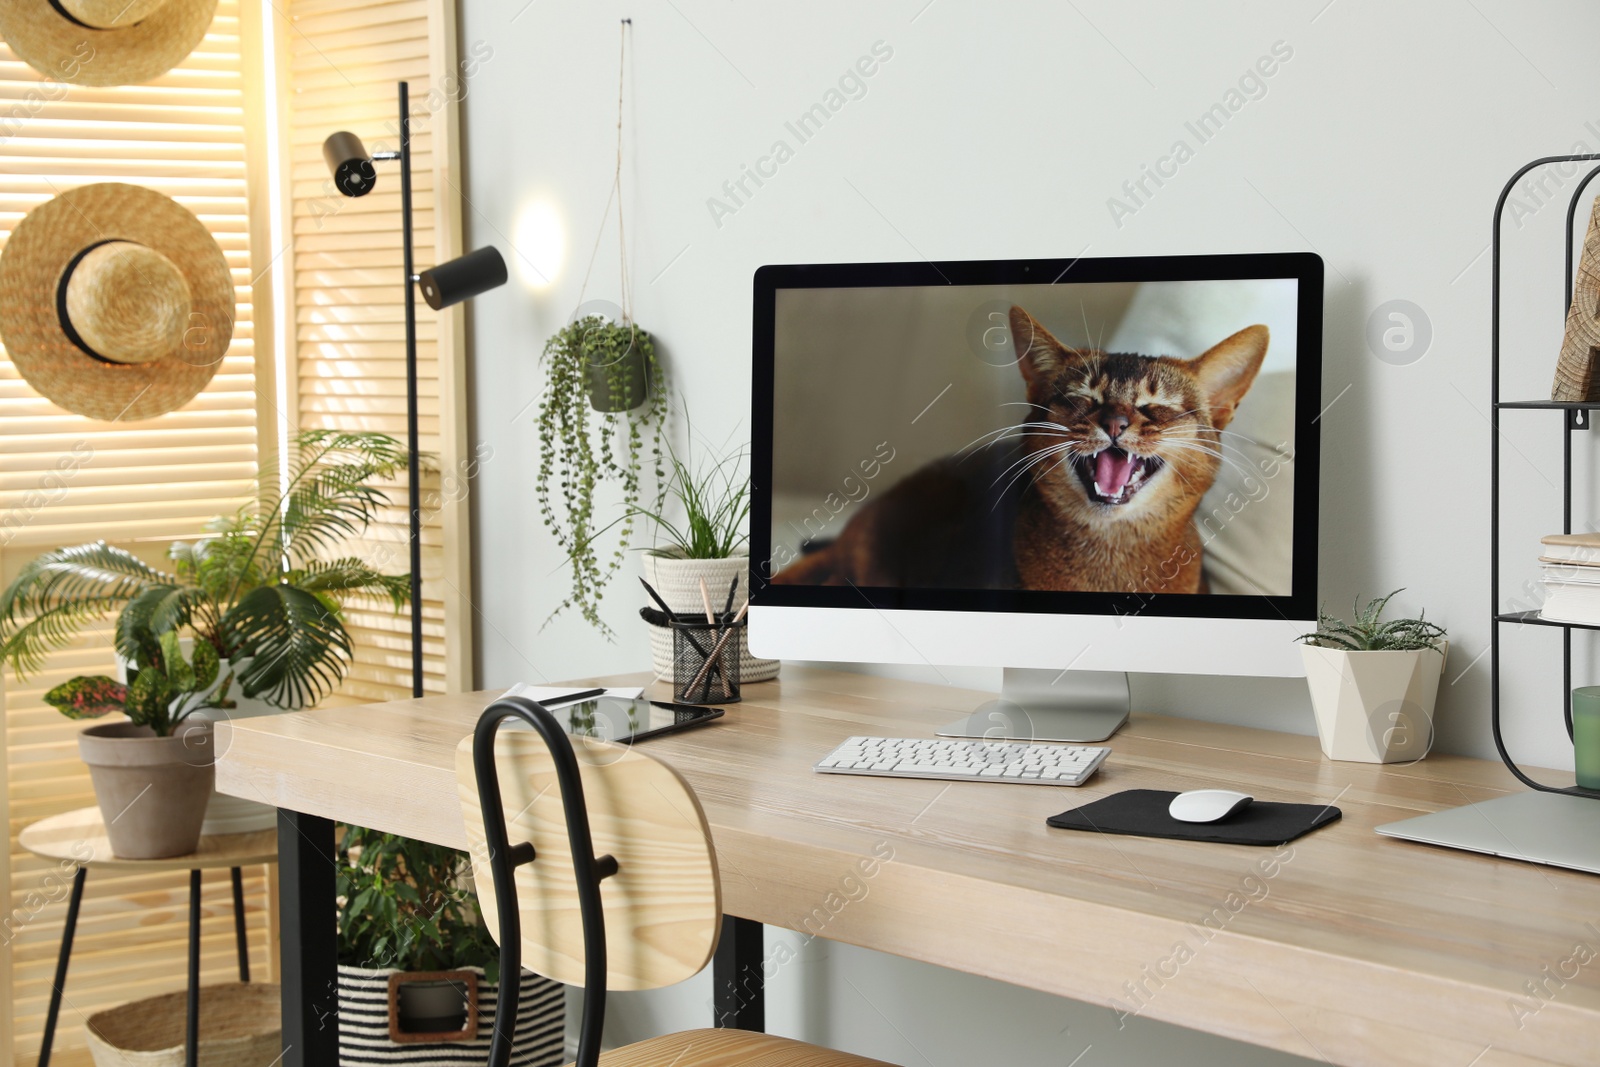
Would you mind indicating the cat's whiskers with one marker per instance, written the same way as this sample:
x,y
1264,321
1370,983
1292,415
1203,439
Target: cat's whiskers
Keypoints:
x,y
1046,429
1066,451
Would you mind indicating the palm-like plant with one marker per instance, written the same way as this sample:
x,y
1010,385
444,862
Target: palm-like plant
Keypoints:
x,y
260,589
1369,633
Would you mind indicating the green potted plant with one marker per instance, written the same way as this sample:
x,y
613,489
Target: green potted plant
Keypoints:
x,y
603,406
258,591
152,773
1374,683
417,965
702,532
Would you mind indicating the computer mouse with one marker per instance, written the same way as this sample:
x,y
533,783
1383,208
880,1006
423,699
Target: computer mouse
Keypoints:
x,y
1207,805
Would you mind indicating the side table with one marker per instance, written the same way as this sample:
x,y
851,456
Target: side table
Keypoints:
x,y
67,837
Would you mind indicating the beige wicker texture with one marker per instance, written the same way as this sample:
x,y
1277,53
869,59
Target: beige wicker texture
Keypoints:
x,y
36,258
1577,375
106,45
678,582
239,1027
129,303
112,14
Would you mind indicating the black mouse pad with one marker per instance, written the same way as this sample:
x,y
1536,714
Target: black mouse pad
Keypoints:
x,y
1143,813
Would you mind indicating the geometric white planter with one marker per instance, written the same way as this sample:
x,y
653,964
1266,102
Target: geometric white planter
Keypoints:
x,y
1374,707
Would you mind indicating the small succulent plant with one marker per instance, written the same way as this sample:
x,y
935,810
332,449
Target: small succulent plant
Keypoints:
x,y
1369,633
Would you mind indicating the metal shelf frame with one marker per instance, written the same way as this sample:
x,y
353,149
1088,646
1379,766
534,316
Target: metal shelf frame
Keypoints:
x,y
1576,417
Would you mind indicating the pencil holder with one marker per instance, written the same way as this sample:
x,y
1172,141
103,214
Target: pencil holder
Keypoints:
x,y
705,662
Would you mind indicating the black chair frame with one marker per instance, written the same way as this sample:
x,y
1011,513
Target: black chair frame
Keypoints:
x,y
505,858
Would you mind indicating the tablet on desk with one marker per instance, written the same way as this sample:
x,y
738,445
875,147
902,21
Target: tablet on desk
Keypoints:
x,y
622,718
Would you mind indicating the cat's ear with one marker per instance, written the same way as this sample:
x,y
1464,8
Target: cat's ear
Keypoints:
x,y
1226,370
1039,355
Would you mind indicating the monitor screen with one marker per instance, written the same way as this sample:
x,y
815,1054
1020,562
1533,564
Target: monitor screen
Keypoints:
x,y
1094,436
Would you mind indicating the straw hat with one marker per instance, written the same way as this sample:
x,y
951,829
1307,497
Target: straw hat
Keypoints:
x,y
115,302
104,42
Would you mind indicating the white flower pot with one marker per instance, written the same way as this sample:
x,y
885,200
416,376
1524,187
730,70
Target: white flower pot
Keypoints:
x,y
227,814
678,582
1374,707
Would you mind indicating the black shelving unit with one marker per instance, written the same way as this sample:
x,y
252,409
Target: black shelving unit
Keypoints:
x,y
1576,417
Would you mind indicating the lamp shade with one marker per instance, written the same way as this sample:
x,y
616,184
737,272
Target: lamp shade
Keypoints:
x,y
349,163
463,278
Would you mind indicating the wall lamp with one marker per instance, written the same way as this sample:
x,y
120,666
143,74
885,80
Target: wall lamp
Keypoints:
x,y
462,278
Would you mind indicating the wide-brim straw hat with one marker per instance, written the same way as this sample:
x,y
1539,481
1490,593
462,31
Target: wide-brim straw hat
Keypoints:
x,y
115,302
104,42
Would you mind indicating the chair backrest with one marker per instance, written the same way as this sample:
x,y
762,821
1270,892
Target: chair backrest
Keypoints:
x,y
663,906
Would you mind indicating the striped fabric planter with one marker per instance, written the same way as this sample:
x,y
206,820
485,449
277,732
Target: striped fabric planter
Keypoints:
x,y
364,1025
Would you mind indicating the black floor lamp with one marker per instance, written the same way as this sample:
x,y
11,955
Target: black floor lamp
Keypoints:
x,y
448,283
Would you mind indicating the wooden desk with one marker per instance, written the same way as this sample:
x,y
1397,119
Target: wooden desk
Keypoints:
x,y
1344,945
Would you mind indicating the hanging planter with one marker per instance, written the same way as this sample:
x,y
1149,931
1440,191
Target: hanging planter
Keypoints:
x,y
619,363
605,394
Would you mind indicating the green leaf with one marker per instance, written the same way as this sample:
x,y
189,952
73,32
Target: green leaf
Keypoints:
x,y
52,596
180,676
346,576
88,697
206,665
297,648
148,697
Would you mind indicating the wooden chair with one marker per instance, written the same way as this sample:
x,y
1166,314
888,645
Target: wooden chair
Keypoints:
x,y
583,815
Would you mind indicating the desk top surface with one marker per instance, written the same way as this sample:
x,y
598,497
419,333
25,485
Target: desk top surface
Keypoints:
x,y
1344,945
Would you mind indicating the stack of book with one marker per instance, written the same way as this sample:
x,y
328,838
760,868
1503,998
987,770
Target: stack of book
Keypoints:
x,y
1571,578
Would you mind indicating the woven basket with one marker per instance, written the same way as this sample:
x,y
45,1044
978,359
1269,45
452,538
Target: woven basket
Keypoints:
x,y
240,1026
539,1039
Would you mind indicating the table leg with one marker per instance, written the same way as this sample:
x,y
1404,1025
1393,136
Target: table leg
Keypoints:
x,y
191,1040
307,915
238,926
739,999
67,932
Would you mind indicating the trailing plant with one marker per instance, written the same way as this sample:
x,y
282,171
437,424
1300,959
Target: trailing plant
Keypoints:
x,y
166,689
715,499
1369,633
580,449
405,904
257,590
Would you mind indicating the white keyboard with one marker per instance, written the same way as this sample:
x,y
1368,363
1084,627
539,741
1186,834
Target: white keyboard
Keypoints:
x,y
965,761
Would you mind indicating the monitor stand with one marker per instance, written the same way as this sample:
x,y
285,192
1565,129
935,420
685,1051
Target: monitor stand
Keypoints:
x,y
1049,705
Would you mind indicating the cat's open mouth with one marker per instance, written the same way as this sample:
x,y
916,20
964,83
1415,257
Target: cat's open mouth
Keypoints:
x,y
1113,475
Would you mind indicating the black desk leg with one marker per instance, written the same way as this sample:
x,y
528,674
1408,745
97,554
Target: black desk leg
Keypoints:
x,y
238,926
67,931
306,916
191,1040
739,1001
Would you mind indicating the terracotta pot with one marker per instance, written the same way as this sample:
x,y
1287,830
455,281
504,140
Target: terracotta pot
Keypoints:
x,y
227,814
1374,707
678,582
152,790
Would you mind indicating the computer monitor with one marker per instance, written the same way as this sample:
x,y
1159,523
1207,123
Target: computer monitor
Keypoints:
x,y
1071,469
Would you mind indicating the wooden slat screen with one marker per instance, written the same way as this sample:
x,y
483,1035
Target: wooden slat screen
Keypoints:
x,y
344,60
139,485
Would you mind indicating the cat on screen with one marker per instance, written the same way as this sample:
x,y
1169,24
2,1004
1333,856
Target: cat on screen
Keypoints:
x,y
1094,490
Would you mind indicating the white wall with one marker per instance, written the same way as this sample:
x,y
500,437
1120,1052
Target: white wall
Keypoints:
x,y
1002,131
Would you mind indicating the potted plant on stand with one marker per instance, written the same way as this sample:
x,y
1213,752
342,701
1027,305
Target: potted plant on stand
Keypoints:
x,y
704,549
1374,683
417,967
153,772
256,595
605,394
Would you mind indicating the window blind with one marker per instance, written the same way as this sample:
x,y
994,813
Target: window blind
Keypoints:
x,y
65,479
344,58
